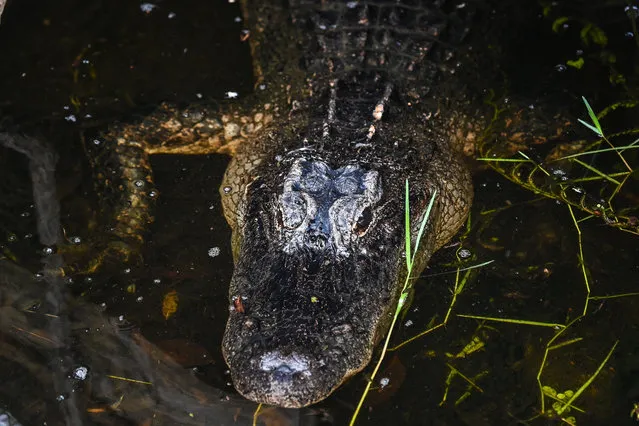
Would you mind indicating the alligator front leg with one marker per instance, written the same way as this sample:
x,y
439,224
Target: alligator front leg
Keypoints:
x,y
197,129
124,179
525,143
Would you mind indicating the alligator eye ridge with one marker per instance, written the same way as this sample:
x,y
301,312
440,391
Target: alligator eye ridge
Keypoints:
x,y
293,208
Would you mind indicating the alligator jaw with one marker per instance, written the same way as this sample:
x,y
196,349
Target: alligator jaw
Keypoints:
x,y
301,325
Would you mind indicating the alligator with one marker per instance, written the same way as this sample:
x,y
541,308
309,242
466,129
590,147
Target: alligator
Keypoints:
x,y
352,99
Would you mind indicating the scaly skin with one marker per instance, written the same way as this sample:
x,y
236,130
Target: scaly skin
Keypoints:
x,y
352,99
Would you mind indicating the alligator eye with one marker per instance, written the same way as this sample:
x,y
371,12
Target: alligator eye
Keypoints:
x,y
292,209
363,221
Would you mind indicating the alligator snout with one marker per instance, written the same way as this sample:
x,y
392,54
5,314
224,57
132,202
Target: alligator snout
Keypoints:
x,y
287,376
292,371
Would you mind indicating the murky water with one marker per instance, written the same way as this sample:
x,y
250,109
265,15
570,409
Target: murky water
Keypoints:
x,y
73,66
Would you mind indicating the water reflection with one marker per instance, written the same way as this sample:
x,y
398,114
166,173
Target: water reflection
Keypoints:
x,y
64,361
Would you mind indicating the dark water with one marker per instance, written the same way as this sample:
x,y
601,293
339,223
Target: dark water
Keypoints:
x,y
73,66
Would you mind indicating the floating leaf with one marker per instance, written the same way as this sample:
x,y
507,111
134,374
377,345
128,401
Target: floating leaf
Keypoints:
x,y
593,33
577,63
559,23
170,304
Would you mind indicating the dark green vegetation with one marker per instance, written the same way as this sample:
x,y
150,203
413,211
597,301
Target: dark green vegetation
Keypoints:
x,y
532,277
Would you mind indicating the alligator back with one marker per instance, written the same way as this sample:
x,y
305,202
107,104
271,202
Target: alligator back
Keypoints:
x,y
391,38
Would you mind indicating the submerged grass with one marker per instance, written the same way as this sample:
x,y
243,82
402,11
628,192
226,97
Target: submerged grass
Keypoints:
x,y
602,209
550,180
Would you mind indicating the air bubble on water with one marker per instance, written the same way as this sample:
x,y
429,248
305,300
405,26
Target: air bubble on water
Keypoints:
x,y
139,299
560,67
214,251
47,251
383,382
147,7
464,253
156,281
139,183
80,373
75,240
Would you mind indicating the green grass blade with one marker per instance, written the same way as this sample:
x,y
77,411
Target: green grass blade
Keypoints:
x,y
422,227
591,127
505,160
407,228
597,127
588,382
597,172
613,296
598,151
566,343
514,321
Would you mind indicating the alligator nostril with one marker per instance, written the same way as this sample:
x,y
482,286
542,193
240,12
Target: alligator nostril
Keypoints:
x,y
284,367
283,373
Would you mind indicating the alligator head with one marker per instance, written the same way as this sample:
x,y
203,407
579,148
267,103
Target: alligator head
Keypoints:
x,y
318,242
312,279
